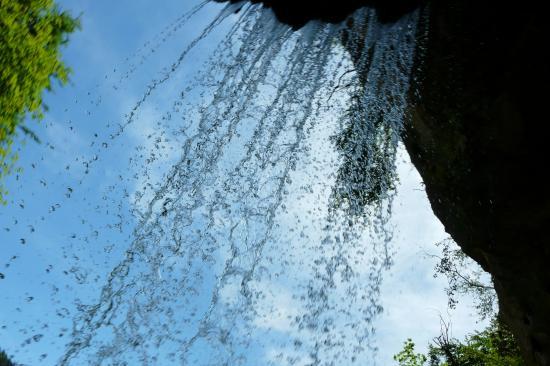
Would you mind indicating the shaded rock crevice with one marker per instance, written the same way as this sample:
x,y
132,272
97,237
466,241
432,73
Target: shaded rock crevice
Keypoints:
x,y
297,13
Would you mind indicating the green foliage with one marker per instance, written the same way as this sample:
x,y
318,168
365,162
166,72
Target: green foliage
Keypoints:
x,y
368,148
31,33
464,276
4,359
407,357
494,346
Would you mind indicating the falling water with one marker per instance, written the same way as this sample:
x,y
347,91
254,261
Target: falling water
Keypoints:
x,y
267,239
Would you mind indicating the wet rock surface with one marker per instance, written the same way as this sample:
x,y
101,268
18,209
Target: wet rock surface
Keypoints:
x,y
297,13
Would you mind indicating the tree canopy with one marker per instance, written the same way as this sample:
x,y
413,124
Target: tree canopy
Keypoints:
x,y
5,360
31,35
493,346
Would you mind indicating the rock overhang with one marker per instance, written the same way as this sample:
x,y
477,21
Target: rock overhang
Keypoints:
x,y
297,13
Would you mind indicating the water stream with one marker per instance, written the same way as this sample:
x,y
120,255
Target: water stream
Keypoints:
x,y
262,201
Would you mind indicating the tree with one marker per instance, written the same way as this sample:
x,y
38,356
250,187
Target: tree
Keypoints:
x,y
4,359
31,35
407,357
464,276
493,346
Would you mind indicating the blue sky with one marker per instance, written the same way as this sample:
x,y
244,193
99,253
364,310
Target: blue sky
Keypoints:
x,y
79,203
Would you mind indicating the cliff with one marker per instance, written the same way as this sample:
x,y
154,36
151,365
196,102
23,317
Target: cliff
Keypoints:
x,y
477,136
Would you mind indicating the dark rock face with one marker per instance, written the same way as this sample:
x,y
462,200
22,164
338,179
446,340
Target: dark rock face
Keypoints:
x,y
478,137
297,13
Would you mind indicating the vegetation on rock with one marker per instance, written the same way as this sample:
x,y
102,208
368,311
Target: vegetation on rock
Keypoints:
x,y
493,346
464,277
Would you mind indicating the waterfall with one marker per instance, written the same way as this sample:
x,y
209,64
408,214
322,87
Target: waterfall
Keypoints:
x,y
267,240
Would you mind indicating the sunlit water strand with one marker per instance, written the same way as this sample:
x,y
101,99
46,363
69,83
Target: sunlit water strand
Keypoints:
x,y
259,215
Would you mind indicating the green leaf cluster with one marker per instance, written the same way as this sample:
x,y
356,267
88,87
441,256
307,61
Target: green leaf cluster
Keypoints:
x,y
494,346
5,360
408,357
31,34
